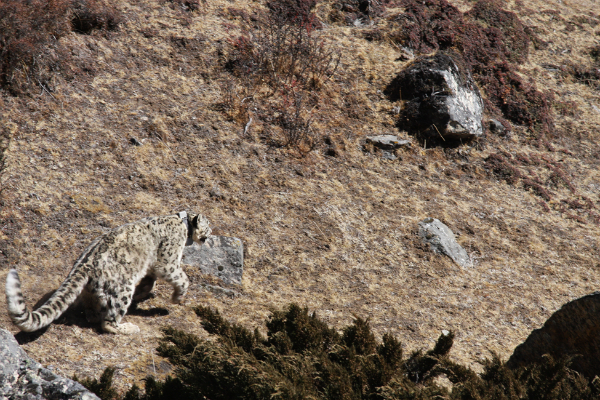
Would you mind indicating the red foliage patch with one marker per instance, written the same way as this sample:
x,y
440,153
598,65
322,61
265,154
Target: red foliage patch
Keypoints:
x,y
297,12
90,15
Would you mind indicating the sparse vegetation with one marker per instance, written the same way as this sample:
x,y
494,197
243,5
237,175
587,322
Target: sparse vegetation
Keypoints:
x,y
28,29
91,15
514,170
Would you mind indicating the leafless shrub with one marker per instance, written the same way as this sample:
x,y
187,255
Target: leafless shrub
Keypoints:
x,y
187,5
284,54
283,58
295,121
237,98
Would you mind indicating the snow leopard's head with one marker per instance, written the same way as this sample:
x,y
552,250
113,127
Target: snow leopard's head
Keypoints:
x,y
200,228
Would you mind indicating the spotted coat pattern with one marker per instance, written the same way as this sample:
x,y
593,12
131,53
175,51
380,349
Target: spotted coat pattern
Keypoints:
x,y
105,276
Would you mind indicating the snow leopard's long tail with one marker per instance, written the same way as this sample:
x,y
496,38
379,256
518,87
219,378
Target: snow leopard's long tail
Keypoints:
x,y
56,305
53,308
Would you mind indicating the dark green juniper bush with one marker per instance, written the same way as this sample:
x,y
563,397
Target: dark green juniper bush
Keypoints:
x,y
302,358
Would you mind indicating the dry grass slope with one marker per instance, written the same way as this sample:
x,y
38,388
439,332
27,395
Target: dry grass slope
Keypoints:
x,y
326,224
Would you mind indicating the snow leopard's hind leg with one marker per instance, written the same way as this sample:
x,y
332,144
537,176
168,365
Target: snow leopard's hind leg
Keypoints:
x,y
113,306
144,289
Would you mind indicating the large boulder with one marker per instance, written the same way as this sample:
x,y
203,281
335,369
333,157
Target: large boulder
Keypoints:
x,y
24,378
220,256
441,240
572,331
442,102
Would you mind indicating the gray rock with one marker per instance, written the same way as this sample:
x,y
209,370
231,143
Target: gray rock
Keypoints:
x,y
387,142
442,101
24,378
135,142
386,155
220,256
572,331
497,127
442,240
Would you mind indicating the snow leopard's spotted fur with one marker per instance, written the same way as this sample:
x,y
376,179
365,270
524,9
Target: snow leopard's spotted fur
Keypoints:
x,y
105,276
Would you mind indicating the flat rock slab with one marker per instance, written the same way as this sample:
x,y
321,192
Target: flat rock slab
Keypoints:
x,y
441,240
387,142
220,256
572,331
24,378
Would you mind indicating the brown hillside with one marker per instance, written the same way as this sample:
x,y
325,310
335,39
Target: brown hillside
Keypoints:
x,y
334,227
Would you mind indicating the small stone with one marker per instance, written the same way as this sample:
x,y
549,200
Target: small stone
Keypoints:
x,y
135,142
407,54
441,240
386,155
387,142
497,127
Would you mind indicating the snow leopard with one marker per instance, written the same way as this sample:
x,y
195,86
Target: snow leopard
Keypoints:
x,y
104,278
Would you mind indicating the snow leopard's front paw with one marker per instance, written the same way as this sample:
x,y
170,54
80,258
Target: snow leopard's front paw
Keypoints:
x,y
125,328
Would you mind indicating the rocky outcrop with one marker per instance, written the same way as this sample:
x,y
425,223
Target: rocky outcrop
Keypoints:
x,y
220,256
571,331
24,378
442,101
442,241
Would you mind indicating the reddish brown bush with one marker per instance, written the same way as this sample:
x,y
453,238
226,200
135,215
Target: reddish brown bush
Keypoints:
x,y
187,5
297,12
514,38
28,30
90,15
581,73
